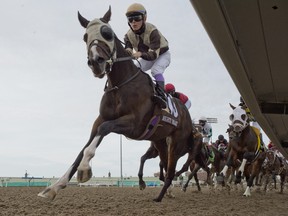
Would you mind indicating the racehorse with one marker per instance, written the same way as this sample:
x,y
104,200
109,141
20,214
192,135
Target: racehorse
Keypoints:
x,y
273,167
127,108
244,145
152,152
203,161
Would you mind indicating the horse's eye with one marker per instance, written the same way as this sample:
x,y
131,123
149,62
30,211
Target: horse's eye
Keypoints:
x,y
231,117
243,117
107,33
85,37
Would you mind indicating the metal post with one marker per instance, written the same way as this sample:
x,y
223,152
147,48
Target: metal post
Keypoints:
x,y
121,173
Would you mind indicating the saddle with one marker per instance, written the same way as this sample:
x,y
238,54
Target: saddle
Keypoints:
x,y
169,115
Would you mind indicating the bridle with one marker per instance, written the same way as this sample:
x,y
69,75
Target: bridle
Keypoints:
x,y
110,61
237,123
111,56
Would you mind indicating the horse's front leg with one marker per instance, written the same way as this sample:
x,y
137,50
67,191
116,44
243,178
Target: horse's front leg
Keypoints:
x,y
51,191
231,158
119,126
185,166
256,167
84,171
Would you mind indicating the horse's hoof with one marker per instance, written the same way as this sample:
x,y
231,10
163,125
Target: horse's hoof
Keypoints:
x,y
220,179
157,200
48,194
183,189
142,186
237,181
84,175
171,196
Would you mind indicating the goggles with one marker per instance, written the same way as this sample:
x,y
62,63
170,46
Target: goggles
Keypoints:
x,y
136,18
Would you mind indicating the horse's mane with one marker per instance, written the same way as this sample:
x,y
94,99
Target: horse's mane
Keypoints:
x,y
120,48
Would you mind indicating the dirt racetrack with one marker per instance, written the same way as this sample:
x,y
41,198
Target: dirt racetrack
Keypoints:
x,y
86,201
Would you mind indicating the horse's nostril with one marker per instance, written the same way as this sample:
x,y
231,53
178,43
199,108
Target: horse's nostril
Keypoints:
x,y
89,63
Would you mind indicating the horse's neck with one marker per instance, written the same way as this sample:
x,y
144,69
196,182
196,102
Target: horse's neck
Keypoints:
x,y
123,70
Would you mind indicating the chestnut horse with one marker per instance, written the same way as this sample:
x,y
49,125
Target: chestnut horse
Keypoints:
x,y
244,145
127,108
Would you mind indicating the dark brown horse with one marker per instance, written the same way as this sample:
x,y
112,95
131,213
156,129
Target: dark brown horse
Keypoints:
x,y
245,145
152,152
127,108
203,161
274,167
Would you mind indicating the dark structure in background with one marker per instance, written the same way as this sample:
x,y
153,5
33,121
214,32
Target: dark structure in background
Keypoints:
x,y
251,38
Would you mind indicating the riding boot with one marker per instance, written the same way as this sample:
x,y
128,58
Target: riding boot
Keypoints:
x,y
209,153
159,97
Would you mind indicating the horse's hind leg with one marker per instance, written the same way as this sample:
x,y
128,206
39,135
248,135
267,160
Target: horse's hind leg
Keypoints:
x,y
197,182
150,153
185,166
282,180
171,166
194,169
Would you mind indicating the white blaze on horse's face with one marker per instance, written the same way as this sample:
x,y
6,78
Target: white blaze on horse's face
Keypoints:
x,y
238,119
100,46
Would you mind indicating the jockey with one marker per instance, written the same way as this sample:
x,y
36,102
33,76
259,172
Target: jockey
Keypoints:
x,y
272,147
170,89
144,42
221,143
206,132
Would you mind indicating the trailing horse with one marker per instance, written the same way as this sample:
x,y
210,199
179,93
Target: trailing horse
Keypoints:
x,y
203,161
152,152
274,167
127,108
245,145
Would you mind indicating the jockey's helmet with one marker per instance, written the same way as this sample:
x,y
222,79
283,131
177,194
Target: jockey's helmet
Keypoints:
x,y
220,137
136,9
169,88
203,119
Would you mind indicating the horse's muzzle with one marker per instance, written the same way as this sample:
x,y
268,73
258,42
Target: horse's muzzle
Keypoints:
x,y
97,68
238,128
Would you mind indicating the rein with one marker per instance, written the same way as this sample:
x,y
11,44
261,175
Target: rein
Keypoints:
x,y
111,61
121,84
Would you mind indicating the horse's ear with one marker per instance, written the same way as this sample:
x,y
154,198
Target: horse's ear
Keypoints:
x,y
107,16
84,22
233,107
